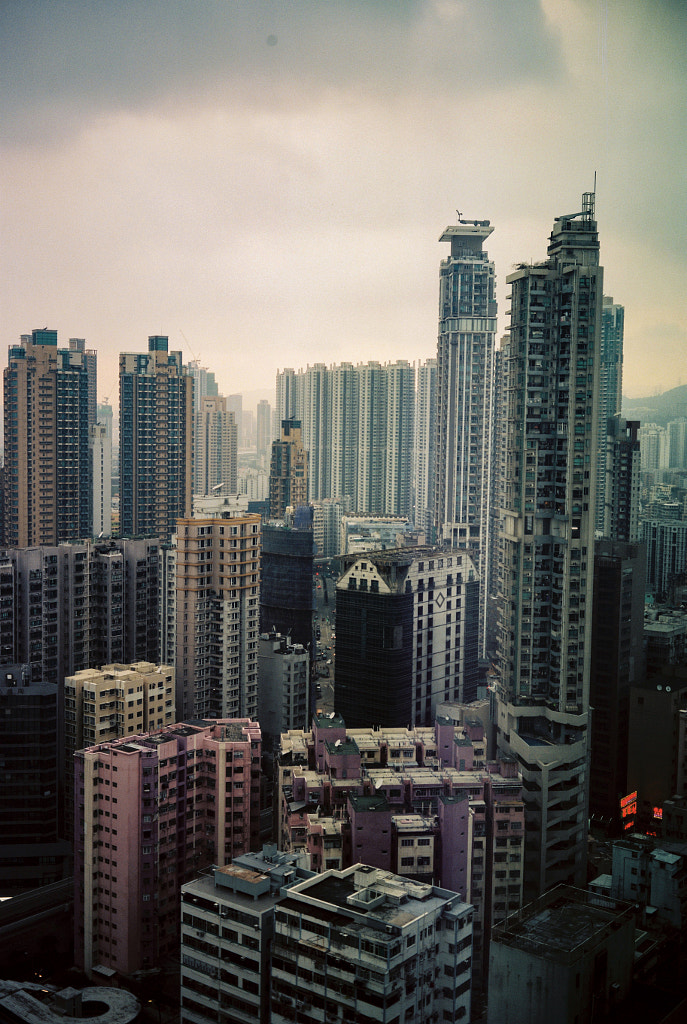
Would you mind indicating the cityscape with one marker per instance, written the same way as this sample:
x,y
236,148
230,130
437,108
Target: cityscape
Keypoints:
x,y
341,683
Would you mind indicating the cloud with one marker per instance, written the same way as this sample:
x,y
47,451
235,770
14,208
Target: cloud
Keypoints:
x,y
65,63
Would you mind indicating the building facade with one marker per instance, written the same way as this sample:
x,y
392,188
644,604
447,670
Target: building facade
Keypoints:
x,y
423,446
217,616
288,470
551,412
155,444
283,686
365,943
617,664
102,704
610,395
227,928
150,812
407,635
464,400
215,448
47,496
32,850
286,582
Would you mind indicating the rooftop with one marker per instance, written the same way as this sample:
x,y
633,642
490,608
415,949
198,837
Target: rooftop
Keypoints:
x,y
564,924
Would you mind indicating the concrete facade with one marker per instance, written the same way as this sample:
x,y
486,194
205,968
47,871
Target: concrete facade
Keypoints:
x,y
550,403
150,812
156,436
367,944
464,400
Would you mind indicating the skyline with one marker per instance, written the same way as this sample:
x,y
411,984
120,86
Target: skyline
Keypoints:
x,y
266,183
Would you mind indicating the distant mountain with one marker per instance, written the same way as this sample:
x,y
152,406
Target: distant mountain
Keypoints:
x,y
671,405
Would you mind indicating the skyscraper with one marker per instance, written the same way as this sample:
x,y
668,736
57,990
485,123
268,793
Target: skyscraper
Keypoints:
x,y
215,448
464,397
263,430
217,616
610,391
155,445
90,361
551,387
357,426
423,446
288,470
47,478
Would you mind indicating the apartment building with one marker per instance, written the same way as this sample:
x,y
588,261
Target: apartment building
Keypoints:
x,y
103,704
464,400
47,497
156,434
150,812
550,393
217,616
227,928
283,686
423,803
365,944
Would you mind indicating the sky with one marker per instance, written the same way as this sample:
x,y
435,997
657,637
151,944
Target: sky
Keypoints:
x,y
266,181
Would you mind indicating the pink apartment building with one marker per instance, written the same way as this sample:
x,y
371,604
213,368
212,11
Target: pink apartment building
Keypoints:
x,y
150,812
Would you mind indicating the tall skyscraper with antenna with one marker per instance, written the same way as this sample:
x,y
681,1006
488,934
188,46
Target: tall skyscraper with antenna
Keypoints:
x,y
550,405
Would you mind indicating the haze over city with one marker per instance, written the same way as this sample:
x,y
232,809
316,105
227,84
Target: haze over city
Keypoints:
x,y
266,182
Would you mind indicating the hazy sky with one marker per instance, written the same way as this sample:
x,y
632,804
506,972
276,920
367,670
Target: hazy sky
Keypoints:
x,y
266,182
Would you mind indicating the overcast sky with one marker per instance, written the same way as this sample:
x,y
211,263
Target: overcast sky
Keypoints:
x,y
266,182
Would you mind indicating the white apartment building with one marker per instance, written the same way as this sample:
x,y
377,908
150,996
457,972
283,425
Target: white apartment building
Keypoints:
x,y
366,944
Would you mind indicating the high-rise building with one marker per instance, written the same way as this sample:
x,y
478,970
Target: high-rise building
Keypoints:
x,y
283,686
288,470
551,372
610,393
215,448
287,404
617,664
103,704
666,554
365,944
406,624
217,616
227,915
235,405
286,588
150,812
464,400
423,446
422,802
263,428
155,441
101,470
622,481
90,360
32,852
357,426
47,479
563,958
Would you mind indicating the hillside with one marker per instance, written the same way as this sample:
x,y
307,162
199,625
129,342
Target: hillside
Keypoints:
x,y
658,408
